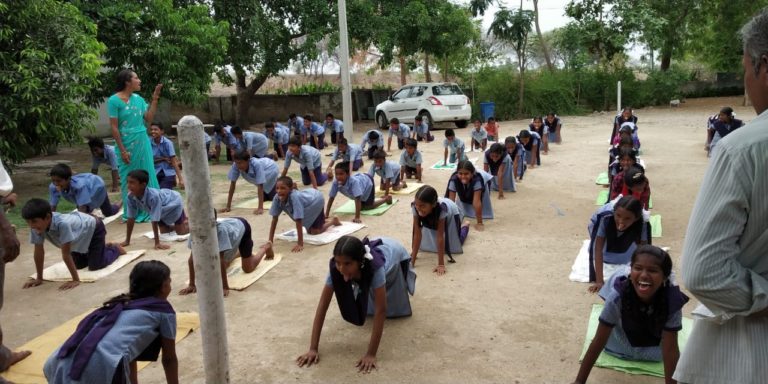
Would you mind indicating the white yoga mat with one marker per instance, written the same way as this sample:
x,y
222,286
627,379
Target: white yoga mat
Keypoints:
x,y
580,268
332,234
170,236
106,220
59,271
451,166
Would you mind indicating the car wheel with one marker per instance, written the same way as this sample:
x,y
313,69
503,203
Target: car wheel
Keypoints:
x,y
461,124
381,120
427,118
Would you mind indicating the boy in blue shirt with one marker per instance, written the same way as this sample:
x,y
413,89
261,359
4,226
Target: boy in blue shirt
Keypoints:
x,y
254,143
166,164
260,172
165,207
410,161
279,135
453,146
350,153
222,133
310,162
104,154
421,129
402,131
389,171
336,127
374,140
315,133
296,126
85,190
81,238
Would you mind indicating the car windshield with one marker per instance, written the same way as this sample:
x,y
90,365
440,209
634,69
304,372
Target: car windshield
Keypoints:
x,y
446,89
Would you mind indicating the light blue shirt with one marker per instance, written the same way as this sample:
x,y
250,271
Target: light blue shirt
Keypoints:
x,y
402,132
337,126
262,172
297,125
390,171
421,129
407,160
308,157
163,149
316,129
393,252
109,158
133,331
162,204
353,153
454,146
255,143
280,136
84,189
226,136
305,205
358,185
75,228
480,135
379,143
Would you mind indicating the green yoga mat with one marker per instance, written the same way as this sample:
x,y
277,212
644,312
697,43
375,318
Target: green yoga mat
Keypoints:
x,y
602,179
655,225
650,203
602,197
348,208
439,165
630,366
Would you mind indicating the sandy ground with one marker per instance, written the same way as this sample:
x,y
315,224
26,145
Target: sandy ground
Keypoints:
x,y
505,312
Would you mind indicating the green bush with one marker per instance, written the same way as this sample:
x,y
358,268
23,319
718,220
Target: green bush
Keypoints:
x,y
305,89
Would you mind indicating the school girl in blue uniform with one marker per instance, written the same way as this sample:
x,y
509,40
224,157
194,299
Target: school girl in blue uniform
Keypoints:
x,y
516,152
131,327
615,232
81,238
471,191
165,207
262,173
304,207
642,314
498,163
371,277
553,124
531,141
310,162
86,190
437,227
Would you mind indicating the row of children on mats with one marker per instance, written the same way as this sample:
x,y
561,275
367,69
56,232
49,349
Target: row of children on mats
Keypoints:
x,y
642,313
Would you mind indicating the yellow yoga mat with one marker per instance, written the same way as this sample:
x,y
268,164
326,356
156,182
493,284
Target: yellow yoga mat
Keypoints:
x,y
253,204
239,280
59,271
30,370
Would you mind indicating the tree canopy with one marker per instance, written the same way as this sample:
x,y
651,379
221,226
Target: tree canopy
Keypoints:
x,y
51,63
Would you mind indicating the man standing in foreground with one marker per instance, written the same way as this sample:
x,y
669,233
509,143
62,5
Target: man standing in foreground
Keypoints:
x,y
725,257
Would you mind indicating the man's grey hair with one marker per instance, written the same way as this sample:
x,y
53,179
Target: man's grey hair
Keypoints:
x,y
754,35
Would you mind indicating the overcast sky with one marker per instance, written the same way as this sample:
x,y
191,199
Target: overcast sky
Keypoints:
x,y
551,12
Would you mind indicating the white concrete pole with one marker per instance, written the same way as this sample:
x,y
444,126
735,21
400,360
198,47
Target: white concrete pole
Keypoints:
x,y
618,97
346,86
205,248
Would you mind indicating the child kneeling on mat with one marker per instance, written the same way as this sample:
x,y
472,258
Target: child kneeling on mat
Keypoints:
x,y
642,314
372,270
358,187
80,236
165,207
234,235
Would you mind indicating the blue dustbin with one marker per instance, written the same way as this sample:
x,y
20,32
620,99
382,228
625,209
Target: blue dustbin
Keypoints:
x,y
487,109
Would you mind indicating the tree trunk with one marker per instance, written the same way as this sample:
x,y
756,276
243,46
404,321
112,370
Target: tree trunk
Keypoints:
x,y
427,74
666,57
403,70
244,93
543,43
445,69
521,92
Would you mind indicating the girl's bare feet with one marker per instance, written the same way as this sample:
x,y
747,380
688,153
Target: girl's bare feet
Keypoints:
x,y
120,249
388,199
17,356
335,220
268,251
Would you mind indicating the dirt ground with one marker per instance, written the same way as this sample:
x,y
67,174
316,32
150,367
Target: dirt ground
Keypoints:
x,y
505,312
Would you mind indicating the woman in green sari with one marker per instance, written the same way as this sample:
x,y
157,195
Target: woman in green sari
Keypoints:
x,y
128,113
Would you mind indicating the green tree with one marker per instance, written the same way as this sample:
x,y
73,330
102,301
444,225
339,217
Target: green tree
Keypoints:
x,y
265,37
513,27
444,32
179,45
599,27
715,39
50,64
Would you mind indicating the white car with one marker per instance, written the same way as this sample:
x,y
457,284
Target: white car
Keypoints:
x,y
434,102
